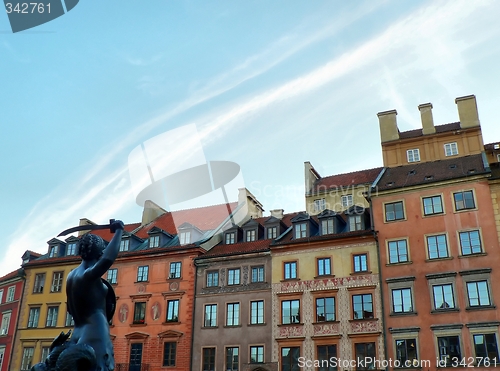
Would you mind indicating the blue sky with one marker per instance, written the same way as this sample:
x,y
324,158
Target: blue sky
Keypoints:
x,y
269,85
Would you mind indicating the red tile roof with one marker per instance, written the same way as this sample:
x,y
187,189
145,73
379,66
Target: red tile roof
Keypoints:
x,y
347,179
204,218
14,274
439,129
430,172
105,234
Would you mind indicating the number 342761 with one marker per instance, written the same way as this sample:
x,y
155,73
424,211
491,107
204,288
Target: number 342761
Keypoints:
x,y
25,8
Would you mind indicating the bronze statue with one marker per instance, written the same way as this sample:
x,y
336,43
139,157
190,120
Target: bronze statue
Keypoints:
x,y
91,302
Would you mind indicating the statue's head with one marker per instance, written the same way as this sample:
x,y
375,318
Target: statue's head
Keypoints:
x,y
91,247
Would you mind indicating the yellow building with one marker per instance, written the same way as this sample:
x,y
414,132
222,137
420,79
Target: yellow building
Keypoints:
x,y
43,312
337,192
431,143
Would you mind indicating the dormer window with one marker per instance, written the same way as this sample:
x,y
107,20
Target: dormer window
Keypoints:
x,y
250,235
125,244
71,249
355,223
154,241
301,230
327,226
230,237
185,238
272,232
53,251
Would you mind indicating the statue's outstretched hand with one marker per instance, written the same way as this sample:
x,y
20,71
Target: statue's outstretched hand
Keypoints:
x,y
117,224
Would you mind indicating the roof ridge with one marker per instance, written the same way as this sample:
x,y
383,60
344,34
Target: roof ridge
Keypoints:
x,y
351,172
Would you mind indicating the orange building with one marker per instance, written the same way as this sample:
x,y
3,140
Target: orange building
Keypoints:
x,y
438,245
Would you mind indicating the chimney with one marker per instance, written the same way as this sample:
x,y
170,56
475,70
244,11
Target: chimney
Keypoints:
x,y
467,111
255,208
310,176
85,221
151,212
388,126
277,213
427,120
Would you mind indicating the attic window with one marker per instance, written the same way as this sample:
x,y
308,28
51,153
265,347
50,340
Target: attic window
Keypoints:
x,y
429,177
124,245
389,184
411,172
71,250
453,166
185,238
154,241
250,235
496,146
230,238
53,251
471,171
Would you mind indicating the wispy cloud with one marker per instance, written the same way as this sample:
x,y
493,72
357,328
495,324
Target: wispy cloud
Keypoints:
x,y
100,192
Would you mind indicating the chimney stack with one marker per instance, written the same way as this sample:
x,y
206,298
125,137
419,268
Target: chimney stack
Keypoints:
x,y
427,120
388,126
277,213
467,111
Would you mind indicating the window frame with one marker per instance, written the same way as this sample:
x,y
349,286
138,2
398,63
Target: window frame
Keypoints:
x,y
57,281
432,205
258,313
176,272
124,245
37,287
234,276
211,358
316,307
258,269
212,315
233,320
449,357
353,221
33,317
143,273
398,256
412,151
154,241
52,316
360,255
346,200
327,226
354,311
139,313
292,357
322,263
256,347
290,264
11,294
453,149
469,232
172,314
300,230
28,353
463,194
167,362
357,357
402,296
319,204
282,310
112,276
226,358
212,278
5,324
250,235
229,238
272,232
436,236
393,204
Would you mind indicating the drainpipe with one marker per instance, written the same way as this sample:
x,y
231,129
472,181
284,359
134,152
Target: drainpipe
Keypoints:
x,y
384,332
193,316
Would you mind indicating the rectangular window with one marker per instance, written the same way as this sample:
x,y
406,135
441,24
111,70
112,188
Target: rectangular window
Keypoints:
x,y
142,273
406,351
4,328
325,354
319,205
363,351
2,354
451,149
169,350
210,315
69,321
346,200
154,241
485,346
470,243
272,232
398,251
290,311
437,246
27,358
213,279
112,275
413,155
208,360
71,249
464,200
52,313
1,296
257,312
39,283
172,311
139,313
478,294
233,314
355,223
230,237
33,317
45,353
449,349
498,157
57,281
394,211
327,226
324,266
362,306
185,238
443,297
53,251
257,354
257,274
232,355
250,235
11,291
432,205
124,245
360,263
325,309
290,270
233,276
175,270
402,301
290,359
301,230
